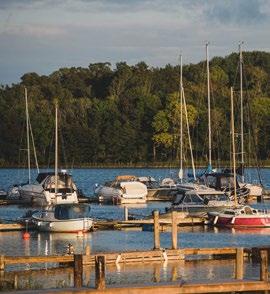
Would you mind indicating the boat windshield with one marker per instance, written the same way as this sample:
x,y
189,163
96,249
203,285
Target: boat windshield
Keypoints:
x,y
71,211
215,197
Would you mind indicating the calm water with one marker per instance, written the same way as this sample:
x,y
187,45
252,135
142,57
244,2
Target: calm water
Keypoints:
x,y
11,243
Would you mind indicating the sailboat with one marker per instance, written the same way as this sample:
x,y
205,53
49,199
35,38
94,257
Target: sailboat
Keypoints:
x,y
255,189
64,214
239,216
43,191
196,184
218,180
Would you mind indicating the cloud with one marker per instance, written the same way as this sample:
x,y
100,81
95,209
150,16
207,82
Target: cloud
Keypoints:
x,y
41,35
36,31
246,12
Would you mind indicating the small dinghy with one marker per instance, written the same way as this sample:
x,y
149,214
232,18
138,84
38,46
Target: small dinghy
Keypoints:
x,y
69,218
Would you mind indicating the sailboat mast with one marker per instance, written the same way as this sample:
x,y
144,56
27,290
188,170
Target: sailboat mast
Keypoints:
x,y
209,109
56,149
189,138
233,149
181,121
241,110
27,134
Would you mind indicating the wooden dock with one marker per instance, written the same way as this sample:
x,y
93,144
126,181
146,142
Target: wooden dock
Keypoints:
x,y
238,284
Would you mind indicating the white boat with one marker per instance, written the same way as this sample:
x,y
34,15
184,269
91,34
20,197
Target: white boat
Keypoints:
x,y
123,190
165,190
200,202
43,191
69,218
255,190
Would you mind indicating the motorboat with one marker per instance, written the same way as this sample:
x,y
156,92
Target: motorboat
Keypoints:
x,y
123,190
69,218
200,202
223,181
43,191
164,190
256,190
245,216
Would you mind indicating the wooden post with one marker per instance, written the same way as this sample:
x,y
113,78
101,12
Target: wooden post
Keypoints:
x,y
78,270
174,230
126,213
100,272
2,262
88,250
156,273
264,265
15,283
239,263
156,230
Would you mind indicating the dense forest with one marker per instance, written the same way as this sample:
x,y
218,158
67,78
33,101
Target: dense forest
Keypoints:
x,y
131,114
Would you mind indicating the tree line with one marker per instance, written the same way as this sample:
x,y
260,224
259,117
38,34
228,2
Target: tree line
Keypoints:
x,y
130,114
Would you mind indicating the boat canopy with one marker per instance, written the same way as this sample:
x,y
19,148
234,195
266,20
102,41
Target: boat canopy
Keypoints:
x,y
64,211
125,178
220,181
65,182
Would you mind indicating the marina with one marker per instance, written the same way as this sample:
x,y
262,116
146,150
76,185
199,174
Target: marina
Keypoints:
x,y
127,235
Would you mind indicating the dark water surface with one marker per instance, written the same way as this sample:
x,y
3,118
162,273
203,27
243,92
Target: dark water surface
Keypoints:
x,y
12,243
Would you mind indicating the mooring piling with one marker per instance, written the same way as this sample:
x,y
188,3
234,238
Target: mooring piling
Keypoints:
x,y
100,272
78,270
174,230
156,230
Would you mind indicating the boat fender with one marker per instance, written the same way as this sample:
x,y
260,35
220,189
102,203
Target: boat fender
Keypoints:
x,y
118,258
215,219
233,220
164,253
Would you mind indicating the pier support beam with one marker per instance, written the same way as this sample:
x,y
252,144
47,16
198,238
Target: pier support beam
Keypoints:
x,y
156,230
87,250
78,270
125,213
2,262
239,264
174,230
100,272
264,265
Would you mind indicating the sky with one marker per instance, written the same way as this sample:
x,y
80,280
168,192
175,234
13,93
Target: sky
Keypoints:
x,y
44,35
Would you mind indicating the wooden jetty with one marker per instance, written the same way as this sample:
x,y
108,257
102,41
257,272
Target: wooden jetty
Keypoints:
x,y
100,262
165,222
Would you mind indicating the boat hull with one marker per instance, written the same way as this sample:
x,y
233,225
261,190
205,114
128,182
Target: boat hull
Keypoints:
x,y
241,221
198,211
67,226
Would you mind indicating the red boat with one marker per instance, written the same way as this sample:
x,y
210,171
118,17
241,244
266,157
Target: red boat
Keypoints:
x,y
245,216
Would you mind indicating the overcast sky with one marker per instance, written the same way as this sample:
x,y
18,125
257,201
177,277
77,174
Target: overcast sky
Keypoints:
x,y
43,35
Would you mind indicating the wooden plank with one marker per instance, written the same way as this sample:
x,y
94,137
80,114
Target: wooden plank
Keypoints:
x,y
38,259
14,227
221,287
208,251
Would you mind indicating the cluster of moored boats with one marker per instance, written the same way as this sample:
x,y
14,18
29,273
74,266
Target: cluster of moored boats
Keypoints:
x,y
212,196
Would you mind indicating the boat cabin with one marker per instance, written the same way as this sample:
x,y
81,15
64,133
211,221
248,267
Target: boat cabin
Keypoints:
x,y
65,182
194,198
220,181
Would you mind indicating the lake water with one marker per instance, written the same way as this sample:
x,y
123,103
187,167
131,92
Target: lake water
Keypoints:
x,y
12,243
